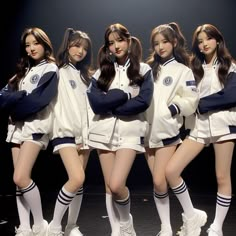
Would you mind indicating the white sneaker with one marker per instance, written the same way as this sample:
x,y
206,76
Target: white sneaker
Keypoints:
x,y
181,232
54,231
40,230
214,232
165,231
127,228
115,233
192,226
23,232
72,230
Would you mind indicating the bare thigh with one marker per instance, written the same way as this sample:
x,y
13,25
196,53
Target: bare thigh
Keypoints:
x,y
84,156
74,168
25,161
123,162
107,160
223,161
184,154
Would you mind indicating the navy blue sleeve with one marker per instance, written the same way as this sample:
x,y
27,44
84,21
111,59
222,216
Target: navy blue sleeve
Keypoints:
x,y
139,103
38,99
9,98
222,100
104,102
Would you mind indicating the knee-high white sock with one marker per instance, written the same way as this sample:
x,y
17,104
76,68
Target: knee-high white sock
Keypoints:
x,y
64,198
23,210
32,197
112,213
181,192
162,202
123,208
74,207
222,207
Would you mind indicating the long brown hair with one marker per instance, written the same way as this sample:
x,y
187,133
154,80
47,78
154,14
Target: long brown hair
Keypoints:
x,y
106,63
71,38
25,62
223,55
172,33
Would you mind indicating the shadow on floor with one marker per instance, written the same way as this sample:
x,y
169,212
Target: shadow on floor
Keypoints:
x,y
93,219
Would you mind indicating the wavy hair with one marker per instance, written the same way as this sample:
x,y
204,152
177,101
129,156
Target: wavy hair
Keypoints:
x,y
106,62
172,33
198,58
26,62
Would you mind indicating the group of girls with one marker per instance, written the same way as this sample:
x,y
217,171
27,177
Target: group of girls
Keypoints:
x,y
125,107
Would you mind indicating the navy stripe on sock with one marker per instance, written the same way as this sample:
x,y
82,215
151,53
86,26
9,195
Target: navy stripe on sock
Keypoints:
x,y
180,189
63,198
80,191
125,202
160,195
28,188
222,201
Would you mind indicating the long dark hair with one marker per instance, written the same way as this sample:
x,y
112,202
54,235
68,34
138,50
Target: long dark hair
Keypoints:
x,y
72,38
106,63
172,33
223,55
26,62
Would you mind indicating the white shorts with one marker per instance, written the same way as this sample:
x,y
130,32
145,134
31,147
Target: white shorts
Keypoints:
x,y
14,134
60,146
216,139
161,144
42,141
111,147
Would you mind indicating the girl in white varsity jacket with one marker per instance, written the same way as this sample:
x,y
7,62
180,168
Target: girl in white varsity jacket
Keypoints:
x,y
214,123
70,132
29,99
120,92
175,96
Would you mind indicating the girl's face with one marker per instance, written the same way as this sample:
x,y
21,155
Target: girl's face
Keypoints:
x,y
118,47
207,45
78,52
34,49
163,47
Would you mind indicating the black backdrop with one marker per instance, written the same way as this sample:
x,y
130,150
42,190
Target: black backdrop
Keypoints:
x,y
93,16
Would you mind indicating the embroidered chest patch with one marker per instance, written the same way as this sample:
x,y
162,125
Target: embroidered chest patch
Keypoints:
x,y
34,79
73,84
167,81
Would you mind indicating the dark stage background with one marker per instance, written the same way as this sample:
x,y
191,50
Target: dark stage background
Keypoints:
x,y
93,16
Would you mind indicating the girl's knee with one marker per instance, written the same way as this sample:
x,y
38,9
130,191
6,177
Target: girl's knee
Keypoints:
x,y
169,172
115,188
21,181
76,182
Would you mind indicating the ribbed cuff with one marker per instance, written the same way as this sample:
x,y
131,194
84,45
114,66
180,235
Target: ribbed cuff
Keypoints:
x,y
174,109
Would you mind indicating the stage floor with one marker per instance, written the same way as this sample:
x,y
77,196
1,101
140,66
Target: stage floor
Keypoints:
x,y
93,219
